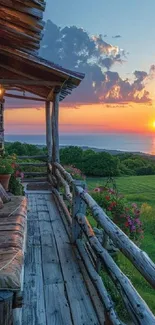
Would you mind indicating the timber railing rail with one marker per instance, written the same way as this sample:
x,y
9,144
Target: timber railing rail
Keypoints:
x,y
94,253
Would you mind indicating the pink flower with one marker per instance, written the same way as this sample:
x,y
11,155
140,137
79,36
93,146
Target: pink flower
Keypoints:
x,y
138,221
22,175
134,205
97,189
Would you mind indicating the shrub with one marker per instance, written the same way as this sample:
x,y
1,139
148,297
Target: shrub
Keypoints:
x,y
100,164
6,166
71,156
125,215
146,170
15,186
147,215
75,172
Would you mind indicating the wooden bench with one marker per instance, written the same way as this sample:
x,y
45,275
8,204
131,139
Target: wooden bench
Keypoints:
x,y
12,246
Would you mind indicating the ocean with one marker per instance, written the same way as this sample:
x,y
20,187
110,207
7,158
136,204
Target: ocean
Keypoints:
x,y
122,142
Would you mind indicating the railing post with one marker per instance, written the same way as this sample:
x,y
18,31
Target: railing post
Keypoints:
x,y
78,206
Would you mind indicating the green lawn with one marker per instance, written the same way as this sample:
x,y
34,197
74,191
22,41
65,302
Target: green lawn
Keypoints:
x,y
139,189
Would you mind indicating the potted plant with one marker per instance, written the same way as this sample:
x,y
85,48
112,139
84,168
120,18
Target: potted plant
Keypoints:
x,y
6,169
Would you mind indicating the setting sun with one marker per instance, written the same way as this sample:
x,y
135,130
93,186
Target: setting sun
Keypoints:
x,y
153,124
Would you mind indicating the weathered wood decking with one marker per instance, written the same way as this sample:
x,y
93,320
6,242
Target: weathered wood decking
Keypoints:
x,y
55,292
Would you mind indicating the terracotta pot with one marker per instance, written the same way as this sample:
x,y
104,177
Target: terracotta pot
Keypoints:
x,y
4,180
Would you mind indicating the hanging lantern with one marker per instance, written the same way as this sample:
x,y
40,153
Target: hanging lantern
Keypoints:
x,y
2,91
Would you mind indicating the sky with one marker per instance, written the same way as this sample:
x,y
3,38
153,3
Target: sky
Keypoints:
x,y
118,94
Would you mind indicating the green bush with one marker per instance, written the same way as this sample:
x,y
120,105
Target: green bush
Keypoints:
x,y
15,187
146,170
6,166
71,156
100,164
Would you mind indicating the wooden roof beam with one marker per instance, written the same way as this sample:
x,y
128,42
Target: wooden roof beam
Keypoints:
x,y
29,82
25,97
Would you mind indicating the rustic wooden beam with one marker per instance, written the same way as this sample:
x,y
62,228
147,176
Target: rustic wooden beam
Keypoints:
x,y
48,112
24,97
101,289
78,206
35,174
50,95
41,164
30,82
65,185
39,157
55,126
65,174
62,205
139,311
139,259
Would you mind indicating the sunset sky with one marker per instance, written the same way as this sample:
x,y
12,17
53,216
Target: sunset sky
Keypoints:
x,y
109,102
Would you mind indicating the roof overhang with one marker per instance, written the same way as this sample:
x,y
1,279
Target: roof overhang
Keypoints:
x,y
35,75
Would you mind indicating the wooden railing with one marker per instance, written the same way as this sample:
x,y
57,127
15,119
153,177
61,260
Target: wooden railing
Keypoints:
x,y
88,245
37,163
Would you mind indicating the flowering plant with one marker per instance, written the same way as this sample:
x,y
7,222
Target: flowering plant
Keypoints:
x,y
75,172
17,172
6,166
125,215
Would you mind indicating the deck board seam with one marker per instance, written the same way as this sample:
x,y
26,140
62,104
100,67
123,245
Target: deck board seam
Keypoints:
x,y
65,288
42,264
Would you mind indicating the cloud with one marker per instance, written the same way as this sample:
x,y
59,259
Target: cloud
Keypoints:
x,y
117,36
75,49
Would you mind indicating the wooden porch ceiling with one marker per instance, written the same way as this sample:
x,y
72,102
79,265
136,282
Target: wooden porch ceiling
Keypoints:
x,y
35,75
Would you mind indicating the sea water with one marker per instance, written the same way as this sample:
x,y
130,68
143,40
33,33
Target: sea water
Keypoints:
x,y
113,141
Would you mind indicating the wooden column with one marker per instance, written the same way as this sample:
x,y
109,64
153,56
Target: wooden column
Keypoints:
x,y
55,126
1,127
48,130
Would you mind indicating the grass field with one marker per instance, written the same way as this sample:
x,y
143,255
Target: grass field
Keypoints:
x,y
139,189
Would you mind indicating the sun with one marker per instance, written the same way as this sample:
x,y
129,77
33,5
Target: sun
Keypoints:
x,y
153,124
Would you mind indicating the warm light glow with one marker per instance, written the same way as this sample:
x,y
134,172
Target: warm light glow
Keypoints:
x,y
85,118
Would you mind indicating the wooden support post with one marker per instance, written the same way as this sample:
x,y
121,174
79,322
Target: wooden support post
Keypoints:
x,y
78,206
55,131
1,127
6,312
48,130
55,126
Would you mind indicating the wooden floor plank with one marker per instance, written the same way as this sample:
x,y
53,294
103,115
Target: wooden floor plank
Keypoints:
x,y
33,233
57,308
50,260
80,303
34,305
54,291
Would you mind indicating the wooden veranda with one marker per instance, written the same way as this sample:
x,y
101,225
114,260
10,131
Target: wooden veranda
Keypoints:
x,y
63,259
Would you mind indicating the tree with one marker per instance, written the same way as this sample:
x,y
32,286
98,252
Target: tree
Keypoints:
x,y
100,164
71,156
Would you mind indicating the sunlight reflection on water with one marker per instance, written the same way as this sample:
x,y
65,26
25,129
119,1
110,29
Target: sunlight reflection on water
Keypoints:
x,y
152,149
